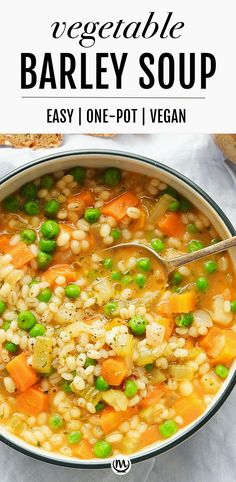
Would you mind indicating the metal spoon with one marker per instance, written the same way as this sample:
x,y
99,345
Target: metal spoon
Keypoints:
x,y
169,265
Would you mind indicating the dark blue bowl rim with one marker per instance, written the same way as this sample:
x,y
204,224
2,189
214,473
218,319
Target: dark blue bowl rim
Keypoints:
x,y
205,418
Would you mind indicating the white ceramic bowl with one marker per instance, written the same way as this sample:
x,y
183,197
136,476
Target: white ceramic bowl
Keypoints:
x,y
136,163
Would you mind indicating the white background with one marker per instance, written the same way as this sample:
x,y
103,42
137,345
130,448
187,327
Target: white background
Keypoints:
x,y
209,27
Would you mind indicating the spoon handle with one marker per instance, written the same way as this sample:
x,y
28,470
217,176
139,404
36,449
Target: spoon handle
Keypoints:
x,y
202,253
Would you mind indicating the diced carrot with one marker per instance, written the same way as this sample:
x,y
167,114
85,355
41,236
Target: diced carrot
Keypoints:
x,y
182,303
162,309
59,270
32,402
154,395
110,419
171,224
83,450
85,197
114,370
169,326
20,254
189,408
118,206
220,345
23,375
228,352
208,340
4,243
150,436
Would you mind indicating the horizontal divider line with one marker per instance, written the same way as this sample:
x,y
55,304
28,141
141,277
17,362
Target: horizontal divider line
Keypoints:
x,y
81,97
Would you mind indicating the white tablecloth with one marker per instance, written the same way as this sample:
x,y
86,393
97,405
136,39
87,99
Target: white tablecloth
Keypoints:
x,y
210,455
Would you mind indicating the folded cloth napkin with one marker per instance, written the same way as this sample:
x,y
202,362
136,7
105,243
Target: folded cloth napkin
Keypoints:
x,y
209,456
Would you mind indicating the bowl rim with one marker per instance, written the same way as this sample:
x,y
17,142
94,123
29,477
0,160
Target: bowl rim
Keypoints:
x,y
225,393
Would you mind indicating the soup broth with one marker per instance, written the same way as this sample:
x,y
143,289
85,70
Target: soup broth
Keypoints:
x,y
97,355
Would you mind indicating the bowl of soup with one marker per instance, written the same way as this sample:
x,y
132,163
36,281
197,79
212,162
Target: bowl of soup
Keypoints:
x,y
99,356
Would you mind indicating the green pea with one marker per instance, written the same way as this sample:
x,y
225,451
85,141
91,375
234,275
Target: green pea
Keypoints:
x,y
29,191
221,371
51,208
47,182
116,234
102,449
45,295
50,229
137,324
127,279
233,306
74,437
185,205
171,191
158,245
130,388
202,283
65,386
31,208
195,245
149,367
110,308
26,320
11,204
43,259
210,266
89,362
101,384
140,280
176,278
192,228
100,406
111,176
28,236
47,245
174,206
144,264
186,319
11,347
6,325
107,263
2,306
116,276
168,428
92,215
78,174
37,330
72,291
56,421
